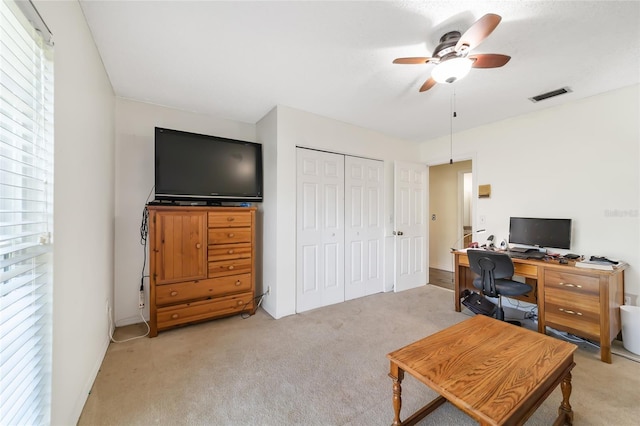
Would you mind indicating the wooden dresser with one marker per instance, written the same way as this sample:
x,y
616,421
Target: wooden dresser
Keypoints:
x,y
201,264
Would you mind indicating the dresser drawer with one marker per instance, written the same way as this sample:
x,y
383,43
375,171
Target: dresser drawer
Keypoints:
x,y
229,219
572,282
230,267
171,294
170,316
217,252
229,236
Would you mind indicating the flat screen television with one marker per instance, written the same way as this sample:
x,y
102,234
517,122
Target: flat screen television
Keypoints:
x,y
553,233
197,168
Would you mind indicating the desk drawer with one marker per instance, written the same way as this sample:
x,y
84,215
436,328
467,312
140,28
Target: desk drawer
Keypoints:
x,y
572,282
520,269
571,310
525,270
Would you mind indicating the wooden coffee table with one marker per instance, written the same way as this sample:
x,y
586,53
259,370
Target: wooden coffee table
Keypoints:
x,y
495,372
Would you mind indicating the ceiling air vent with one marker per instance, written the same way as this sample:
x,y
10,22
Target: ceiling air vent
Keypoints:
x,y
550,94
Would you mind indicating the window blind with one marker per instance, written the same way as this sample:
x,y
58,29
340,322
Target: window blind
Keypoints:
x,y
26,214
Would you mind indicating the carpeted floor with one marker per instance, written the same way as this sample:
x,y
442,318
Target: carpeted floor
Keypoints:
x,y
323,367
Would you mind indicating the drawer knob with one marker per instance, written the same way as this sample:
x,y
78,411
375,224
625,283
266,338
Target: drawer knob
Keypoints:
x,y
230,251
238,283
230,219
230,267
240,302
174,316
231,235
571,285
567,311
174,293
197,245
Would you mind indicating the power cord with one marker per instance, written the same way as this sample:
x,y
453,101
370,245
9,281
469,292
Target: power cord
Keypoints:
x,y
244,314
144,233
112,329
577,339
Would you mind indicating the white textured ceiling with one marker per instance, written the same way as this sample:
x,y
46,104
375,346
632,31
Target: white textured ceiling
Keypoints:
x,y
239,59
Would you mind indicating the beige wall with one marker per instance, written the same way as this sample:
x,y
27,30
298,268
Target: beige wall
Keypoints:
x,y
445,202
83,209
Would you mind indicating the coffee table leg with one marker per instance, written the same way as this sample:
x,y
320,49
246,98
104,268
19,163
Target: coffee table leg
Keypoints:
x,y
565,414
396,374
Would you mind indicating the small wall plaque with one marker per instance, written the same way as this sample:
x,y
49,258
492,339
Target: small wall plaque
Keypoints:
x,y
484,191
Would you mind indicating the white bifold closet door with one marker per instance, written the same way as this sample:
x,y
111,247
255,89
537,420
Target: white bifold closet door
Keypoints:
x,y
364,229
339,228
320,229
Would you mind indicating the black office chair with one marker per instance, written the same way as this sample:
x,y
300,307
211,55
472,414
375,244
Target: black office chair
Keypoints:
x,y
494,270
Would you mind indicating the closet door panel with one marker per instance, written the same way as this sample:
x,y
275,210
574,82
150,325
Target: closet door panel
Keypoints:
x,y
364,229
320,229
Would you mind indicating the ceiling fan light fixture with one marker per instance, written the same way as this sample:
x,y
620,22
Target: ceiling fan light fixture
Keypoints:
x,y
452,70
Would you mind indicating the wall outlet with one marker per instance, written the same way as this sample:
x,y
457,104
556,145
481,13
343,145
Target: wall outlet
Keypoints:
x,y
268,292
141,300
627,300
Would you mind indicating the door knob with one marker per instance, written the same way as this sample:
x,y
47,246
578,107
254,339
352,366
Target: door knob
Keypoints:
x,y
400,233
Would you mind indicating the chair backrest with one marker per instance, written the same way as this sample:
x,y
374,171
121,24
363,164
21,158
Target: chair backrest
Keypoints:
x,y
490,265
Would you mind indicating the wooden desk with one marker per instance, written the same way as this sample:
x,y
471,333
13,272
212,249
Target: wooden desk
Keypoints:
x,y
584,302
495,372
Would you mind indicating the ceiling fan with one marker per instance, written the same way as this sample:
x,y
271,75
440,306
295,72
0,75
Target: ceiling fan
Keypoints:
x,y
452,58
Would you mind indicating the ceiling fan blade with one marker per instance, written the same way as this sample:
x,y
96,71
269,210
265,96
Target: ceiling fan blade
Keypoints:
x,y
478,32
412,61
428,84
489,60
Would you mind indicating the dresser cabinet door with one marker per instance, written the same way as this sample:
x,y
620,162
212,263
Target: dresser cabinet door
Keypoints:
x,y
180,246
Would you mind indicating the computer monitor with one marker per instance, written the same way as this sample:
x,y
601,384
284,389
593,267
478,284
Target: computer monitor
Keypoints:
x,y
538,232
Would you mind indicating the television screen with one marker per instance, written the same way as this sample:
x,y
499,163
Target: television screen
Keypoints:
x,y
196,167
555,233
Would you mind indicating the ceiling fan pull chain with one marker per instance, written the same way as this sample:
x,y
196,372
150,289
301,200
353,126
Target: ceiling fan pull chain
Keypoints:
x,y
453,115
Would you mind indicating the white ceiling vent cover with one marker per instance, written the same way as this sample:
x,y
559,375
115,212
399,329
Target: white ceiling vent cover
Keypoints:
x,y
550,94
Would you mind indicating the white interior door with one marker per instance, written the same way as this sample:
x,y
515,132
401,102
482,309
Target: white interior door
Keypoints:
x,y
410,230
364,229
320,229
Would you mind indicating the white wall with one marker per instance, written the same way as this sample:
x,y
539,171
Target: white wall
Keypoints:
x,y
83,209
134,179
579,160
299,128
267,135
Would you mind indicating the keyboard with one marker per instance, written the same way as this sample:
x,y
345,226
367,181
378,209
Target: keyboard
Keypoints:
x,y
528,255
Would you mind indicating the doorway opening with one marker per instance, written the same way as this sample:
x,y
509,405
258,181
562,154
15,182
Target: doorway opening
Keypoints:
x,y
450,217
